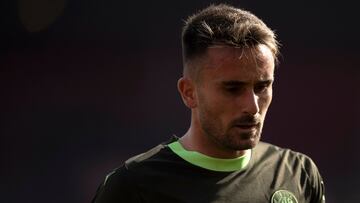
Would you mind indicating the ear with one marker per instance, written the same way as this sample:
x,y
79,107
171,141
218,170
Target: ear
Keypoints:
x,y
186,89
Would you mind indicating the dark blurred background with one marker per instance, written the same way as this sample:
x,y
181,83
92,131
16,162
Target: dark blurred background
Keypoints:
x,y
85,84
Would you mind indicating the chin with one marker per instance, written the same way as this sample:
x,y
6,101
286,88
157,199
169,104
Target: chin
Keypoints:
x,y
241,144
248,143
251,144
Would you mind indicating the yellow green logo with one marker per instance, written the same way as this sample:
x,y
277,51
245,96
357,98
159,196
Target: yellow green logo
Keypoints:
x,y
283,196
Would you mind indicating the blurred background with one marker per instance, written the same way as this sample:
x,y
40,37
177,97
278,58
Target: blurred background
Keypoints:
x,y
85,84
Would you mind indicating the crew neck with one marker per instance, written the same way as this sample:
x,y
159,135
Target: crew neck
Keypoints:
x,y
211,163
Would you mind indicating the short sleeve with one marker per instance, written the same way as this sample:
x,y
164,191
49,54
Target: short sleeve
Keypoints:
x,y
117,188
317,184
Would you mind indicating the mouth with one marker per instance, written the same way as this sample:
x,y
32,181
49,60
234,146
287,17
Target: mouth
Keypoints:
x,y
248,126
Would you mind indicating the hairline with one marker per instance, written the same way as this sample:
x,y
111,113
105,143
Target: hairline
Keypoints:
x,y
193,73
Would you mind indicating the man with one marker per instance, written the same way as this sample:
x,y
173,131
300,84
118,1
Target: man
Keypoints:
x,y
229,57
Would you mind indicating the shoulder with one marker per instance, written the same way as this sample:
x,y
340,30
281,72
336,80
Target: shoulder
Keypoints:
x,y
143,162
294,163
270,150
139,159
284,157
131,165
121,183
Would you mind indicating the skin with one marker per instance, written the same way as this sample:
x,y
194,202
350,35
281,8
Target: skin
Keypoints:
x,y
228,100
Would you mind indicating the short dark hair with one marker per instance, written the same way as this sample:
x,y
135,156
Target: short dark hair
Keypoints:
x,y
223,24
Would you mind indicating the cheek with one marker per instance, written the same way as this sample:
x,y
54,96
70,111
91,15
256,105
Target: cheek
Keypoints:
x,y
213,103
265,101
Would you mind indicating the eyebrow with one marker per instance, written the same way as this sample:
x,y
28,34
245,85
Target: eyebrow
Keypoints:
x,y
233,83
241,83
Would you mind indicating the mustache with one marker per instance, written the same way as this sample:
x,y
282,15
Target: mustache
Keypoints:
x,y
246,120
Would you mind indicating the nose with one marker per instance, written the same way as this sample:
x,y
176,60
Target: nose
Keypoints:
x,y
250,102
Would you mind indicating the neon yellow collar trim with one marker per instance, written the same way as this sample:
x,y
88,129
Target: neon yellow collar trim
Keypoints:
x,y
210,163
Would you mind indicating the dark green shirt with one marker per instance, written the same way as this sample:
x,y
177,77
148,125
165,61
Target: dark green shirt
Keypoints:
x,y
169,173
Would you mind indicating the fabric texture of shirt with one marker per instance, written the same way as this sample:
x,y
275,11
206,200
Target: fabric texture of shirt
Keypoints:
x,y
160,175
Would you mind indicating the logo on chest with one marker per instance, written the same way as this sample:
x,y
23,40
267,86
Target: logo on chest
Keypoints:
x,y
283,196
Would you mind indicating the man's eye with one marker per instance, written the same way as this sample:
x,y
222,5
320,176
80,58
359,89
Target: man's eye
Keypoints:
x,y
261,88
232,89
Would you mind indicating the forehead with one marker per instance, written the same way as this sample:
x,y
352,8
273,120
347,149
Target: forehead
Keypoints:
x,y
238,63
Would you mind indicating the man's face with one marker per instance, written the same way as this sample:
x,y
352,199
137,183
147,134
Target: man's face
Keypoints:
x,y
234,91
